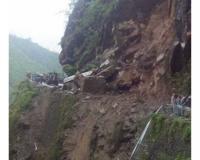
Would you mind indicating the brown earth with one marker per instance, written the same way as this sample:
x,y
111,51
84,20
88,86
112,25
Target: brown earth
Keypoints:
x,y
104,126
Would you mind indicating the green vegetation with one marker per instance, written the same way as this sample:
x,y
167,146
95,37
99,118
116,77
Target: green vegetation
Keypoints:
x,y
88,31
170,127
24,95
91,42
64,121
26,56
96,13
169,138
96,10
69,69
89,67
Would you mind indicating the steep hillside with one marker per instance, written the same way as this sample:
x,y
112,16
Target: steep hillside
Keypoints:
x,y
151,39
139,52
51,124
26,56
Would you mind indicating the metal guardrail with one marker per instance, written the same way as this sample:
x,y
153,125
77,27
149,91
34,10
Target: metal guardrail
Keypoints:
x,y
139,142
168,108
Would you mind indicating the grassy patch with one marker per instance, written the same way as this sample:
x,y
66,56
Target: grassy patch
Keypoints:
x,y
169,138
69,69
24,94
97,10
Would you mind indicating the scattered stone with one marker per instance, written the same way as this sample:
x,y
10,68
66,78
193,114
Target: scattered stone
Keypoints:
x,y
105,63
115,105
118,112
127,125
87,97
134,105
133,110
161,71
102,111
160,58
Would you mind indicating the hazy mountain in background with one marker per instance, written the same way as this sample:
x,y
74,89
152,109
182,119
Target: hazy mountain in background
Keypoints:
x,y
27,56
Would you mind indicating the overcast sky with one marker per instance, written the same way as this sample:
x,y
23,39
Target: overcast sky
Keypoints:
x,y
43,21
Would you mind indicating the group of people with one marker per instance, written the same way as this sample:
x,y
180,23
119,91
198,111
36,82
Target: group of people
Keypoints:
x,y
50,78
180,103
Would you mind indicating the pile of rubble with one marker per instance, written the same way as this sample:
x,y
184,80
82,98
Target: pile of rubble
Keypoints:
x,y
108,77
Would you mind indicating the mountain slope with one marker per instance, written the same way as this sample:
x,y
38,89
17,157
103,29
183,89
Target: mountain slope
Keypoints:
x,y
26,56
147,44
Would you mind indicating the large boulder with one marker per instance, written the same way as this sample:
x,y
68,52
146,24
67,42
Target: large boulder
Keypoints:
x,y
93,84
127,78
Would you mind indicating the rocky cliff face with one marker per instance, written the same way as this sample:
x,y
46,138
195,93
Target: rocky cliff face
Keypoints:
x,y
147,38
96,26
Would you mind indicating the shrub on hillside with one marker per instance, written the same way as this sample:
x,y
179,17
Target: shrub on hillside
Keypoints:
x,y
69,69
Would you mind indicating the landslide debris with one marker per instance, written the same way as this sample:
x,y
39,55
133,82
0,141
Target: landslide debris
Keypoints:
x,y
139,52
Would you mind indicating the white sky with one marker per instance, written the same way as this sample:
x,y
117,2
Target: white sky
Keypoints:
x,y
43,21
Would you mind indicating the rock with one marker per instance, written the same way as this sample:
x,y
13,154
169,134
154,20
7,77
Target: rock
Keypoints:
x,y
161,71
126,79
133,110
102,111
105,63
93,84
87,97
160,58
134,105
127,124
115,105
109,73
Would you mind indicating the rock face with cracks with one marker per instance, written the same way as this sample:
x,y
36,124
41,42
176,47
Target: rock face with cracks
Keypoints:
x,y
146,41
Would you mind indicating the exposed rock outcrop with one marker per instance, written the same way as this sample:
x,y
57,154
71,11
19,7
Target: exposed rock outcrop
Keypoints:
x,y
138,35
